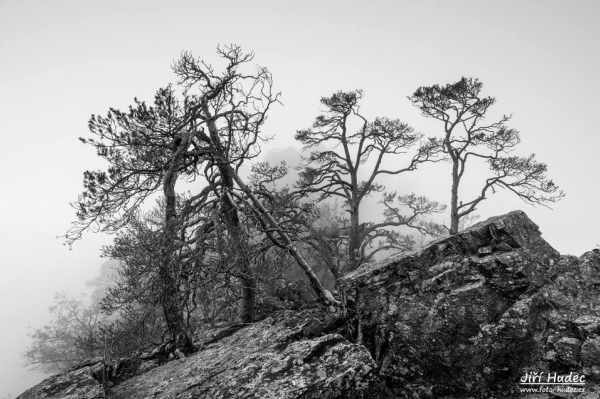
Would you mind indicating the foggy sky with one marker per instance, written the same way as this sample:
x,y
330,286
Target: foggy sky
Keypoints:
x,y
61,61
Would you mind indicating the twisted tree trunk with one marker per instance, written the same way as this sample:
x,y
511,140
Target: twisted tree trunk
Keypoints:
x,y
172,300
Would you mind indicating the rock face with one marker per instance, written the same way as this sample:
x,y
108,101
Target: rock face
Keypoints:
x,y
468,315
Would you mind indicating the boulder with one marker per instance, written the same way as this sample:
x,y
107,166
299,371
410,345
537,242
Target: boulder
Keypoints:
x,y
279,357
467,316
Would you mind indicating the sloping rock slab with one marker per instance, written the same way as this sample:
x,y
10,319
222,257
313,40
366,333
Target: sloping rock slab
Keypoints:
x,y
469,315
76,384
270,359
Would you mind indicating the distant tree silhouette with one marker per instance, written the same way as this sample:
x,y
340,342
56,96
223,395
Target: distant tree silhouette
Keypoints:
x,y
61,344
462,110
335,171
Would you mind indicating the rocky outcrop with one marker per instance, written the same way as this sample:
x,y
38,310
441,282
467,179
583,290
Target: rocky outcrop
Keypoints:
x,y
276,358
465,317
469,315
289,355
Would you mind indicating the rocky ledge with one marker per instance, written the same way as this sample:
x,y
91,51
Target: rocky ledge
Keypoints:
x,y
468,316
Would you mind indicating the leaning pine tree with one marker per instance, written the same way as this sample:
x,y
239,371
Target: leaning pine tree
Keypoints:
x,y
209,130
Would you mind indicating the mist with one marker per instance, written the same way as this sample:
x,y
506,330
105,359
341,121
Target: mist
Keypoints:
x,y
63,61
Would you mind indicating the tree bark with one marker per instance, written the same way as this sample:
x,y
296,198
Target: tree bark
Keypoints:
x,y
231,217
171,296
239,244
454,219
355,239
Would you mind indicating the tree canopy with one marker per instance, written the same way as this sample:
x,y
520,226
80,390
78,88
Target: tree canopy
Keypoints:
x,y
209,129
462,110
337,167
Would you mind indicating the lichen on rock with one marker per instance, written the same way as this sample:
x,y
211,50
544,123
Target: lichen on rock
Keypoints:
x,y
469,314
274,358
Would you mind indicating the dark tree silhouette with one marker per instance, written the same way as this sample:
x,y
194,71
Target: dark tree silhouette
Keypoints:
x,y
230,113
211,131
462,110
208,130
148,149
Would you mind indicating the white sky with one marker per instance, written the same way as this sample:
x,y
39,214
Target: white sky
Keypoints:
x,y
61,61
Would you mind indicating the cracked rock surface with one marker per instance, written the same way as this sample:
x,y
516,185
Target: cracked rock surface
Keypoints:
x,y
270,359
468,315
